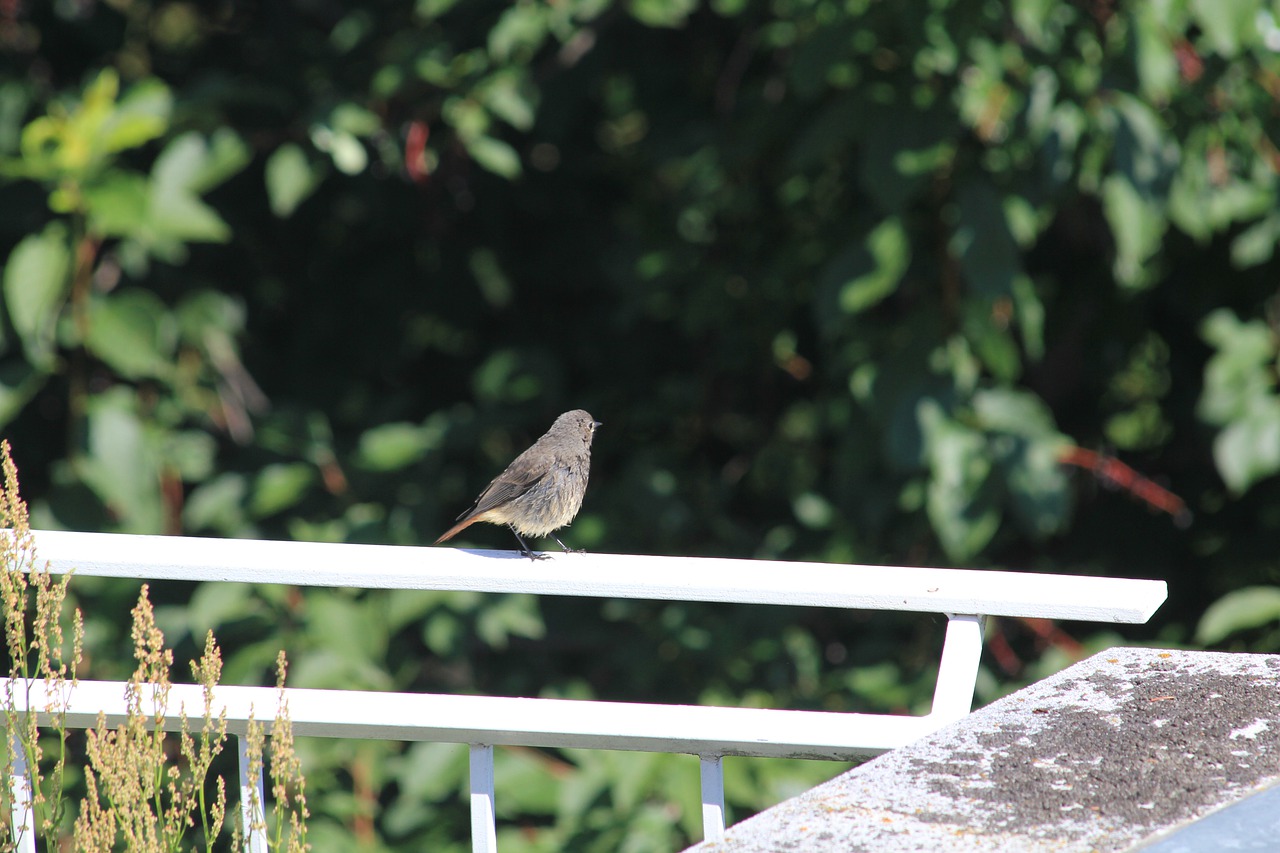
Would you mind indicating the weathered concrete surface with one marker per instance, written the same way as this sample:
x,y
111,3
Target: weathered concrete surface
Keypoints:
x,y
1119,749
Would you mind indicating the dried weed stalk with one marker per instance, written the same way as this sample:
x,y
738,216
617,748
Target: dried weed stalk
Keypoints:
x,y
38,656
137,793
145,791
288,832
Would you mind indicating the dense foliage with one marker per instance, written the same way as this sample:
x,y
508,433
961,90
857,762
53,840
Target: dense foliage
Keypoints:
x,y
984,284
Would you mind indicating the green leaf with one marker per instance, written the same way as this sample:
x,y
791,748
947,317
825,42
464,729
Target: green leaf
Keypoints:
x,y
1242,369
188,166
354,119
443,633
511,615
494,155
432,9
507,376
908,145
525,772
662,13
1138,225
1030,312
132,333
78,141
1156,64
118,205
365,636
141,116
1228,25
813,511
35,284
346,151
217,505
1201,204
192,454
466,116
959,503
1015,412
520,30
290,179
902,392
216,604
494,283
983,242
509,96
337,668
1039,491
1256,244
1239,610
19,382
991,341
432,771
121,464
1248,448
280,486
202,312
349,641
1146,154
409,607
180,216
1239,396
214,159
390,447
890,253
861,275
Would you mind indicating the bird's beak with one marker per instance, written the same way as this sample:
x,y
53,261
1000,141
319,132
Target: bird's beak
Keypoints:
x,y
596,425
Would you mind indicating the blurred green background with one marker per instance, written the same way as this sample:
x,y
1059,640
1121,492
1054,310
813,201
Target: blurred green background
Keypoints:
x,y
933,283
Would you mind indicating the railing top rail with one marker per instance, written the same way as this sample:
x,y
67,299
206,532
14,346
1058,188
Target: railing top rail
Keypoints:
x,y
994,593
501,721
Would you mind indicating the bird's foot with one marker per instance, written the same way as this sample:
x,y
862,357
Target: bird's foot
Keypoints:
x,y
566,548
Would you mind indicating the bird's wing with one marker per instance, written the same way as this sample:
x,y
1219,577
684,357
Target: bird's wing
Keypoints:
x,y
520,477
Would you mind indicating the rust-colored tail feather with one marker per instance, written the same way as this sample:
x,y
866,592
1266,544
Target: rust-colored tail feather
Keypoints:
x,y
457,528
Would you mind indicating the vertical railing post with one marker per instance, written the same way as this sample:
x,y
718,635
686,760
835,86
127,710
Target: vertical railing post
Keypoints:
x,y
20,793
958,671
253,801
484,826
712,768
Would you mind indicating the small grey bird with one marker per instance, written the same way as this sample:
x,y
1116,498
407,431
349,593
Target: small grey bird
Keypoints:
x,y
541,491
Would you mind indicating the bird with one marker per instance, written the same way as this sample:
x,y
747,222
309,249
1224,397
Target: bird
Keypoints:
x,y
541,490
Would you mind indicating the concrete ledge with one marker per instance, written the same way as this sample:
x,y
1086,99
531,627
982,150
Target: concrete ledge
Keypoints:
x,y
1119,749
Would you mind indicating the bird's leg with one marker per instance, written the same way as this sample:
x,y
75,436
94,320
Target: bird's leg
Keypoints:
x,y
524,549
566,548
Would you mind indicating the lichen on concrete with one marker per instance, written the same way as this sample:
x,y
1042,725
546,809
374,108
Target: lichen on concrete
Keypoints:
x,y
1113,750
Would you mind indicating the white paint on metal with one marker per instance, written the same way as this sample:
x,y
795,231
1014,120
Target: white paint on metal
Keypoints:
x,y
22,819
484,825
958,671
995,593
551,723
252,798
486,721
712,772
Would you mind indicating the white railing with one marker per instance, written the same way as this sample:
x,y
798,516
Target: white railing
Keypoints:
x,y
965,596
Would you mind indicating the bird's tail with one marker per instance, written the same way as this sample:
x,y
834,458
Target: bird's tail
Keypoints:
x,y
457,528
